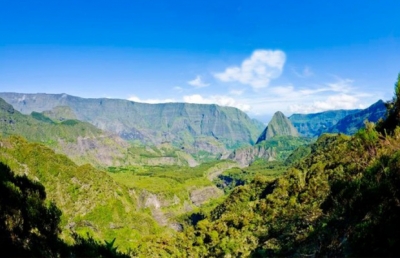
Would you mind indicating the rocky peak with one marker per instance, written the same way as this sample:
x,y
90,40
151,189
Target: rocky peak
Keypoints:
x,y
279,125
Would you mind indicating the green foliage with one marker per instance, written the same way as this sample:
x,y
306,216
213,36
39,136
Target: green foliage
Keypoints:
x,y
83,142
182,124
41,117
234,177
283,146
392,120
339,199
29,225
90,199
70,122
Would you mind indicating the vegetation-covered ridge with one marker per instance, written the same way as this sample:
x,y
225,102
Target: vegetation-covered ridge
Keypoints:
x,y
90,200
193,127
337,121
130,204
279,125
30,224
83,142
336,197
342,199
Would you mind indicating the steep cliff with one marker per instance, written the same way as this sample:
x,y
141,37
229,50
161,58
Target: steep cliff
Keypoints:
x,y
353,122
279,125
181,124
276,148
313,125
83,142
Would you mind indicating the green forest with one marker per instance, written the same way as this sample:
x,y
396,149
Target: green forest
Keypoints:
x,y
334,196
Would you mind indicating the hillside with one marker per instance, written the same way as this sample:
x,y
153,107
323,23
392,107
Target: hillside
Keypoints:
x,y
279,125
313,125
129,204
339,198
277,148
90,199
83,142
276,142
192,127
350,124
337,121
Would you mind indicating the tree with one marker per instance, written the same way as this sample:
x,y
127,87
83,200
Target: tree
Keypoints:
x,y
393,111
28,224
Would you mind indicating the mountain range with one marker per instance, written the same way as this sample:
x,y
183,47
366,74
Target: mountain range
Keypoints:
x,y
337,121
111,132
191,127
283,171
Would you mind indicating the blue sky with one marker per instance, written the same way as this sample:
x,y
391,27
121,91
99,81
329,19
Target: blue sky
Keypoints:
x,y
259,56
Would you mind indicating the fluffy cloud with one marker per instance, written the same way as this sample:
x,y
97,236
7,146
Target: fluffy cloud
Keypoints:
x,y
256,71
150,101
216,99
197,82
340,101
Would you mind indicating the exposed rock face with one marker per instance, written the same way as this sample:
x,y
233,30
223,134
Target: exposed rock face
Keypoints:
x,y
353,122
199,196
181,124
83,142
279,125
246,156
313,125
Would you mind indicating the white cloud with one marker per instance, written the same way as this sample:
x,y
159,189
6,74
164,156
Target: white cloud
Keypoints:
x,y
340,94
150,101
198,83
256,71
341,85
216,99
340,101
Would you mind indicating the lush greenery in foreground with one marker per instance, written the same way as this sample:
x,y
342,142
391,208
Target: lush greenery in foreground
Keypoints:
x,y
339,197
29,224
342,199
90,200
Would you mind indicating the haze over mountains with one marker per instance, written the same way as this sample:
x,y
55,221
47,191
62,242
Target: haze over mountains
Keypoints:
x,y
163,160
117,132
337,121
192,127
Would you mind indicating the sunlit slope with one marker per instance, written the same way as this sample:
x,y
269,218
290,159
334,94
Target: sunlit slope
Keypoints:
x,y
83,142
91,201
191,126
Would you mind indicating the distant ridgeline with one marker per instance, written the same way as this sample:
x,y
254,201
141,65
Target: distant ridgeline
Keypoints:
x,y
337,121
194,128
83,142
205,132
283,135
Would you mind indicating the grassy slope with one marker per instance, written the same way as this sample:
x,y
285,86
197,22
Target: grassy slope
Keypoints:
x,y
178,123
90,199
83,142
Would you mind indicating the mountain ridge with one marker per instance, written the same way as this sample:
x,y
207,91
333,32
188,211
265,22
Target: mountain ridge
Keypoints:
x,y
182,124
